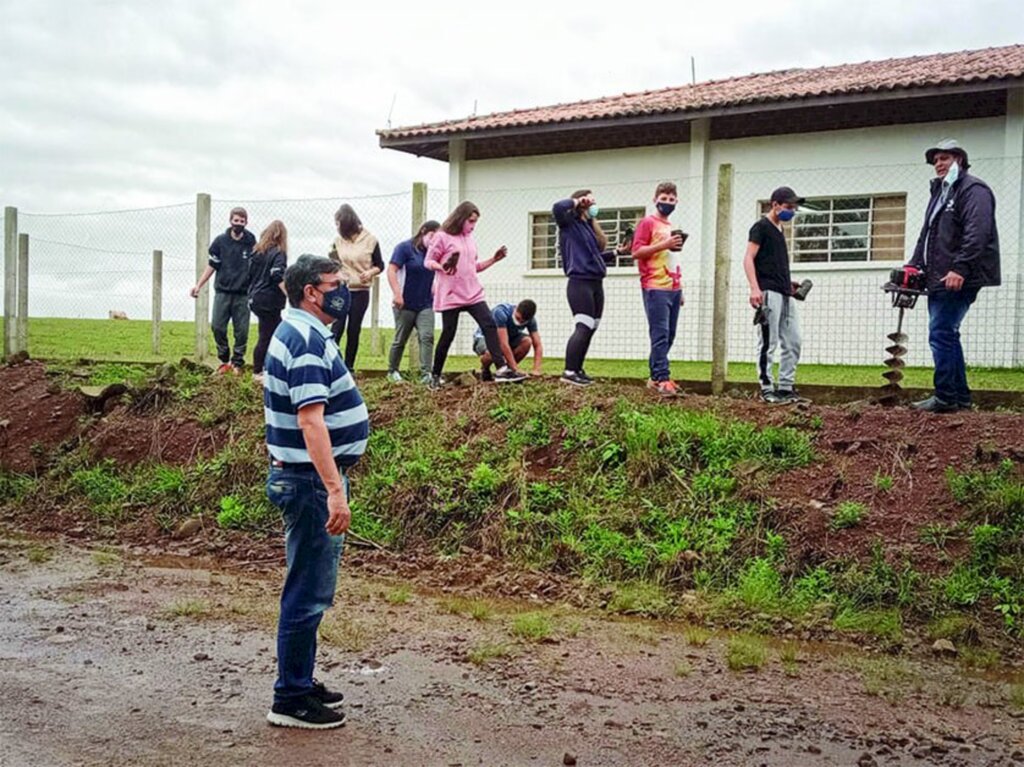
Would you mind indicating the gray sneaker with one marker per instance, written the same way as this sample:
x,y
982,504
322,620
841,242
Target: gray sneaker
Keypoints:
x,y
394,376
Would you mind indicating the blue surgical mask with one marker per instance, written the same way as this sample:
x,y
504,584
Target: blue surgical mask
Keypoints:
x,y
593,210
665,208
952,174
786,215
336,302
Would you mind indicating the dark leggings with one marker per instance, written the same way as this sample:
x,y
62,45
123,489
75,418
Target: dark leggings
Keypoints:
x,y
450,323
354,319
268,324
586,301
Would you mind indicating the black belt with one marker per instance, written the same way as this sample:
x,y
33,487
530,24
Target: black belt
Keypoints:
x,y
300,467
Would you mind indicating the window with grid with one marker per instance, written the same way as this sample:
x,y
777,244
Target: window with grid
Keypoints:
x,y
614,222
845,229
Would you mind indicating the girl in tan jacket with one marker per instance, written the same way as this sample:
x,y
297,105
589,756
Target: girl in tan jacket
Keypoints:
x,y
358,252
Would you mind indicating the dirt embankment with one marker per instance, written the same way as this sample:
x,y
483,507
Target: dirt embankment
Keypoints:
x,y
857,446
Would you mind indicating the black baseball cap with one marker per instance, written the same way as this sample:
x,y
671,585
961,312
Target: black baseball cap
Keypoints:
x,y
785,195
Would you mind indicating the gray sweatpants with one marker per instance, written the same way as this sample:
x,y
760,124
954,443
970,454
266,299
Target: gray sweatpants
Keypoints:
x,y
405,321
782,330
233,308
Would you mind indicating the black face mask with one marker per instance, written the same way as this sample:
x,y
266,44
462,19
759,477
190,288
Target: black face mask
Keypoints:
x,y
237,228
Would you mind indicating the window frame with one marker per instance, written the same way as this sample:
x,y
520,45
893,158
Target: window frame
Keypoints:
x,y
611,227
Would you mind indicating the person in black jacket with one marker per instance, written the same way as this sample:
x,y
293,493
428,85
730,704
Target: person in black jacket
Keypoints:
x,y
266,292
958,250
229,258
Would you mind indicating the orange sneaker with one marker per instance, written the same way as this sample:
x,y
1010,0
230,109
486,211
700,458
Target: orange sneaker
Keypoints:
x,y
225,368
665,388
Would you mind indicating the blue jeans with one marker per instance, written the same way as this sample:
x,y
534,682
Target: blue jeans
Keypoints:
x,y
662,309
946,310
312,555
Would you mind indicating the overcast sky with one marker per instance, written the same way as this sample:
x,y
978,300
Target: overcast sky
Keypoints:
x,y
111,104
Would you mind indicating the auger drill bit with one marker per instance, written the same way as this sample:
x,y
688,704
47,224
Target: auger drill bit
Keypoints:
x,y
892,390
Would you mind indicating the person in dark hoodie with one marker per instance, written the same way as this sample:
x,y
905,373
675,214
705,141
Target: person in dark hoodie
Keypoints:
x,y
229,258
266,290
583,245
958,250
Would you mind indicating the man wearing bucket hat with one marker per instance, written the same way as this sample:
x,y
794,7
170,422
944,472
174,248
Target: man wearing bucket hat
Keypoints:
x,y
958,249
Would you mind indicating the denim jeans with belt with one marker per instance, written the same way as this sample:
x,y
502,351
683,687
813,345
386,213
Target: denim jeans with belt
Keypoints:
x,y
313,556
946,310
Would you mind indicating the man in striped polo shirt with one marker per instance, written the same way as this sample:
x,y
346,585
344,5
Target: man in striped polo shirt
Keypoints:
x,y
317,427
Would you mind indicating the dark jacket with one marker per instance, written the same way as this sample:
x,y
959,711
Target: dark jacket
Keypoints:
x,y
962,238
230,257
581,253
266,270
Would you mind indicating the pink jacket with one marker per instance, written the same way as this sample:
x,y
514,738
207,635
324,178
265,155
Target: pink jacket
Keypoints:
x,y
453,291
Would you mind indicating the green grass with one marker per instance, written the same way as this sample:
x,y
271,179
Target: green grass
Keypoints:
x,y
480,654
188,608
38,555
848,514
534,627
400,595
883,624
746,653
129,340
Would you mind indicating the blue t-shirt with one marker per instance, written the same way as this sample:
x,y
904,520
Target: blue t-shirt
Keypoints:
x,y
416,290
504,317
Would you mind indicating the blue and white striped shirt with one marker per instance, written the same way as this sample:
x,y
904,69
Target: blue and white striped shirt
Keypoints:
x,y
303,367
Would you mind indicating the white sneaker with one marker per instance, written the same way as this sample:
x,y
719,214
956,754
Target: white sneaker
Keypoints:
x,y
394,377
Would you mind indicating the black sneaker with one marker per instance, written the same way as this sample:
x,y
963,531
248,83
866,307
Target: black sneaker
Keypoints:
x,y
306,713
576,379
329,698
582,375
486,375
436,382
789,395
508,375
772,397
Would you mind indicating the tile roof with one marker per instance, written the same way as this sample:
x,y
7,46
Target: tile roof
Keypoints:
x,y
941,69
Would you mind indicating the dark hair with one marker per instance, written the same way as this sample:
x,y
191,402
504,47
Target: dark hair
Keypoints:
x,y
238,212
666,187
462,213
307,270
426,226
527,309
576,195
348,222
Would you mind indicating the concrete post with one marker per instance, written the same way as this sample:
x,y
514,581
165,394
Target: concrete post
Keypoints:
x,y
1013,172
720,312
419,215
10,280
158,290
202,317
456,171
376,342
22,307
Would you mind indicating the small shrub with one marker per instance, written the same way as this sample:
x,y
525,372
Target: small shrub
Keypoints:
x,y
884,624
696,636
238,513
760,585
484,481
746,653
848,514
188,608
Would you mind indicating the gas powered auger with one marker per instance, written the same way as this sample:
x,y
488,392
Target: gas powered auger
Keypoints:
x,y
905,285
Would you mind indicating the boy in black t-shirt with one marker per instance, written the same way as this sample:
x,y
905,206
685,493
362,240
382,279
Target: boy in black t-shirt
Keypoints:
x,y
766,264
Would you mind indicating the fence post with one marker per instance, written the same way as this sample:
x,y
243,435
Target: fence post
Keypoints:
x,y
419,215
10,279
720,311
22,308
202,317
376,344
158,291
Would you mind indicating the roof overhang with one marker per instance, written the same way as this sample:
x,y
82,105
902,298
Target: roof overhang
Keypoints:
x,y
833,112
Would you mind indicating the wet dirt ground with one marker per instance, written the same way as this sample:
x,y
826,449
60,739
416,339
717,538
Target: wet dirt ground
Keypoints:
x,y
108,660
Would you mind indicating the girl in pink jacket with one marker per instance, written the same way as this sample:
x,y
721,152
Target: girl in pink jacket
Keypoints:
x,y
453,256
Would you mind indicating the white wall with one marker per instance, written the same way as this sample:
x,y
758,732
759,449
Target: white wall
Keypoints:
x,y
846,318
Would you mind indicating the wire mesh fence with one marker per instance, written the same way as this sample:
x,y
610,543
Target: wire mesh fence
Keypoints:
x,y
857,223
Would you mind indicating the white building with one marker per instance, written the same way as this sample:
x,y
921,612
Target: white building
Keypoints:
x,y
850,138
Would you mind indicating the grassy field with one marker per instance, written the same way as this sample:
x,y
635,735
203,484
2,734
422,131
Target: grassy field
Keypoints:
x,y
129,341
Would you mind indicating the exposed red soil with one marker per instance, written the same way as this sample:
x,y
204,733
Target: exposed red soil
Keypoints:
x,y
130,438
36,417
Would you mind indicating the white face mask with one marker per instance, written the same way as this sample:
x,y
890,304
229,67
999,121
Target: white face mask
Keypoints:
x,y
952,174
